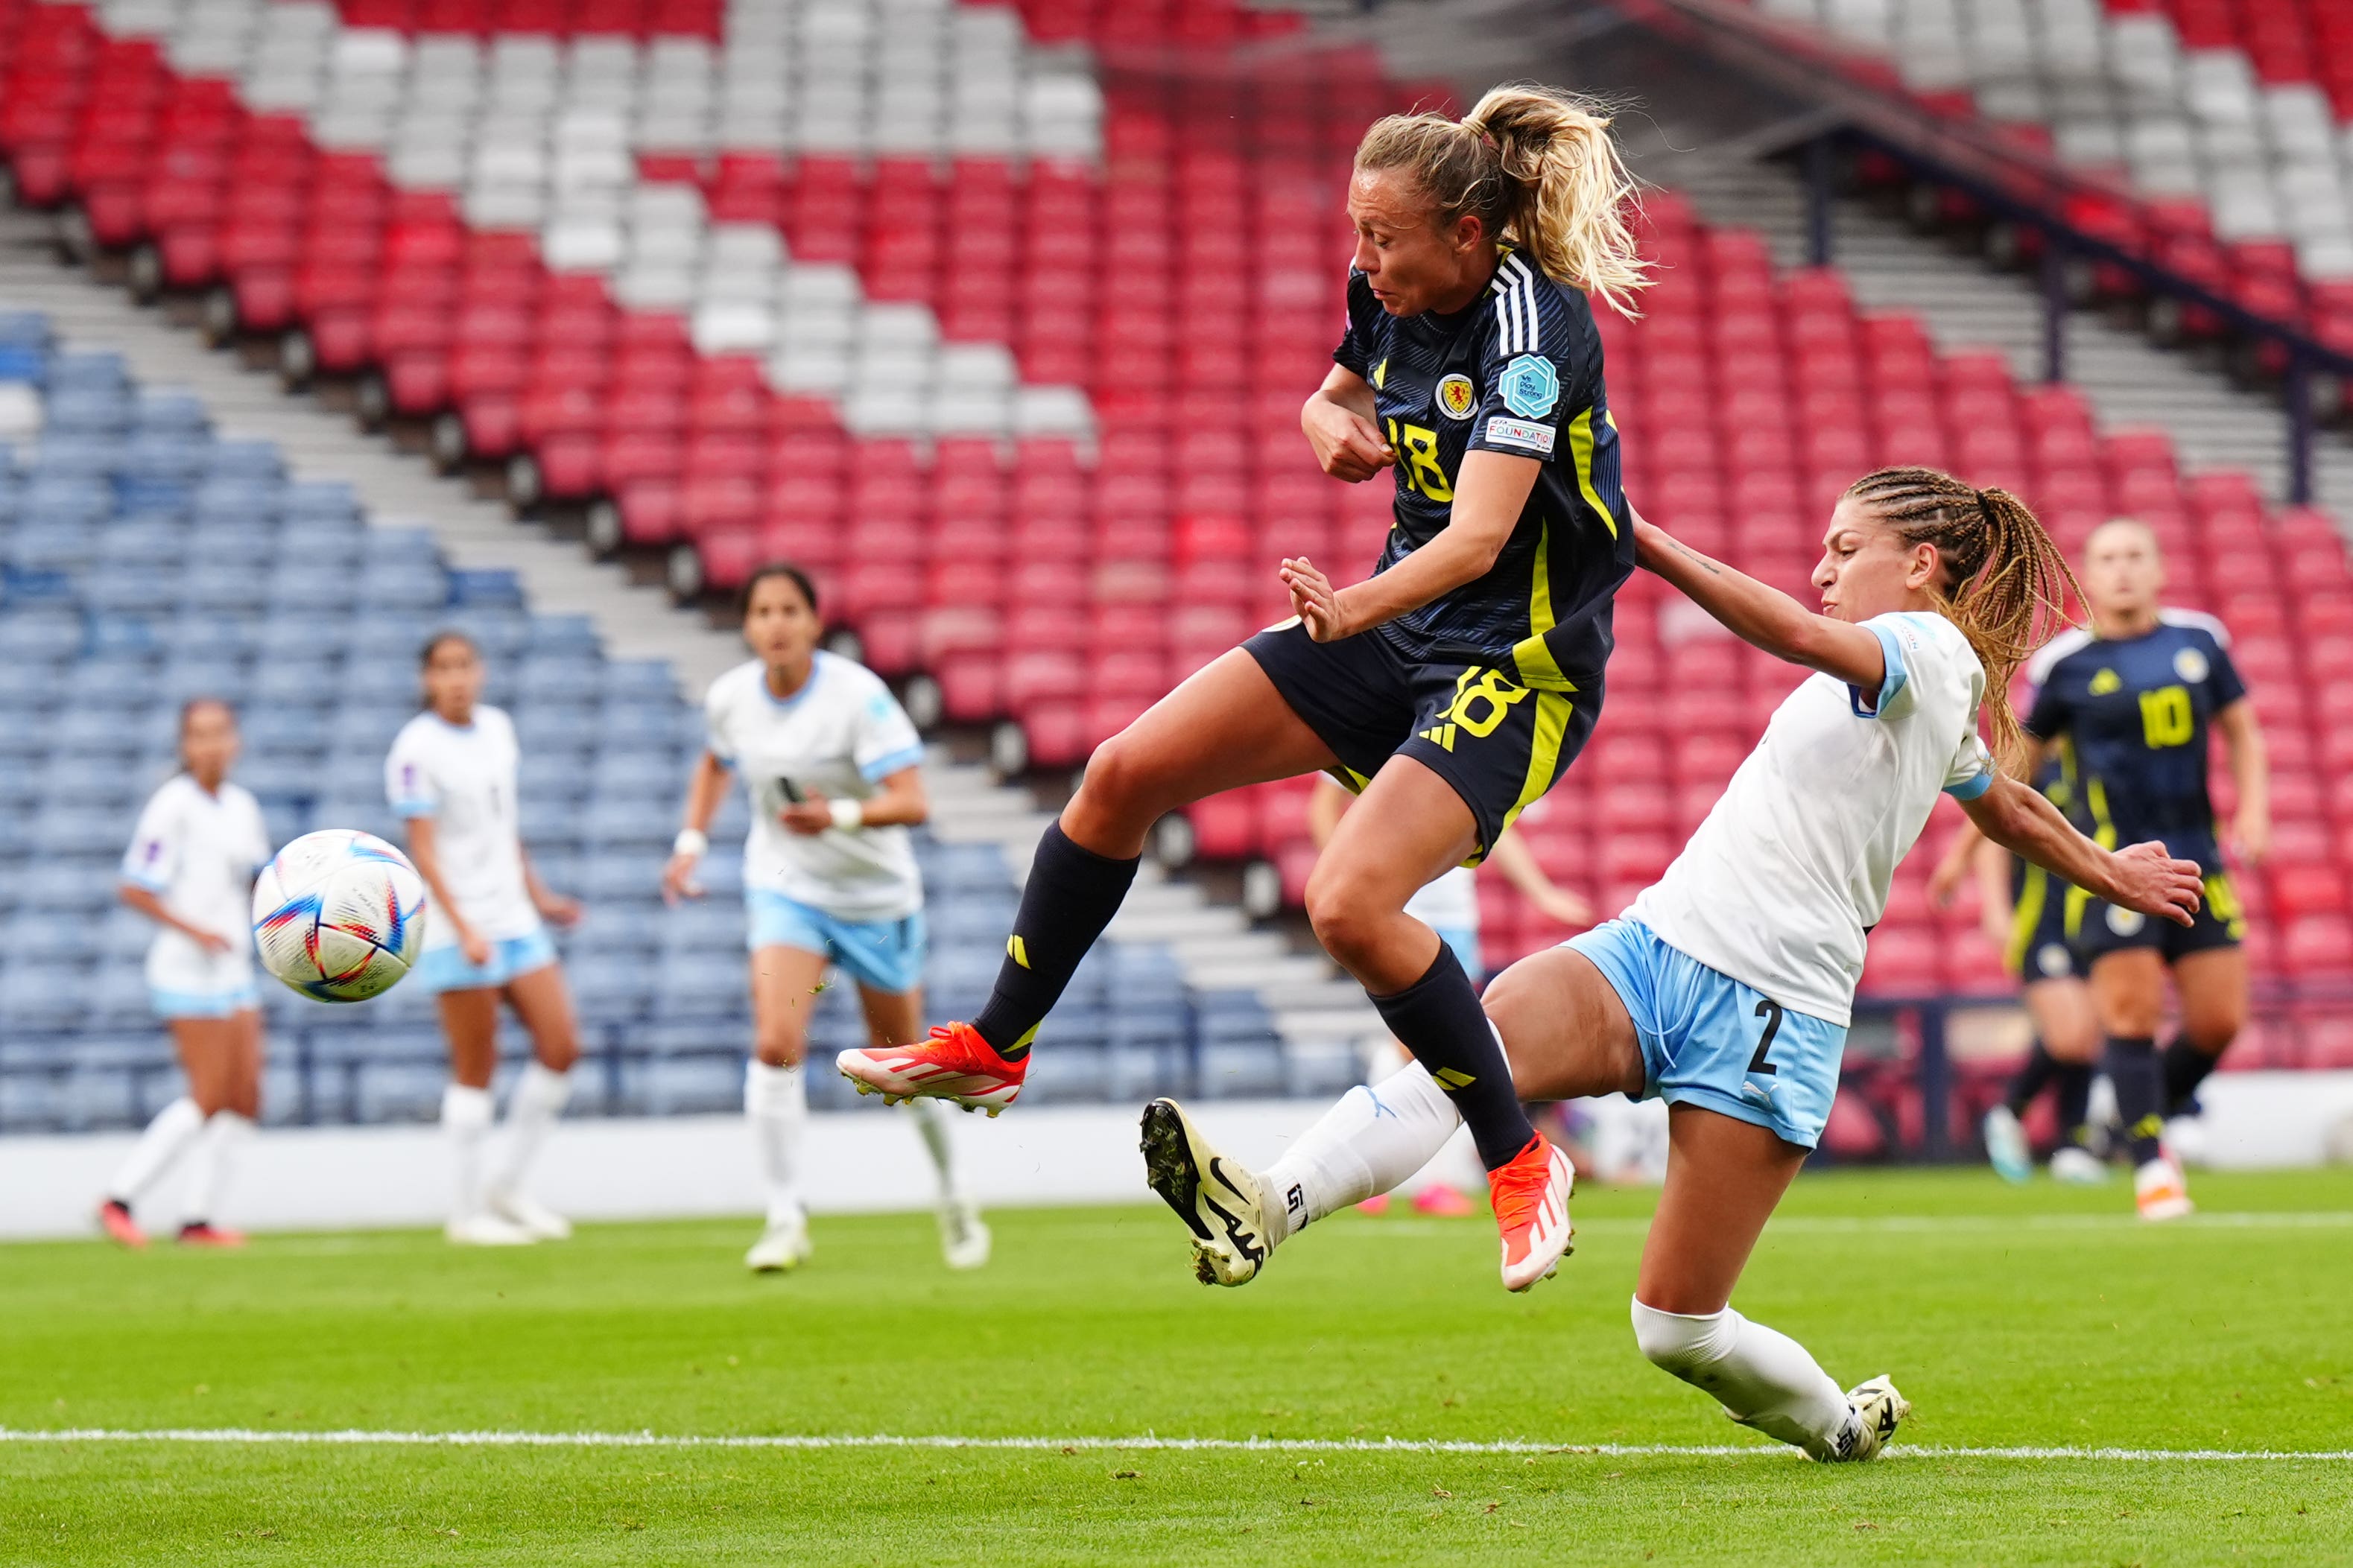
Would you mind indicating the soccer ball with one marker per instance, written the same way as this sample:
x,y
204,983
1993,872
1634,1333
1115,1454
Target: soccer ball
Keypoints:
x,y
339,915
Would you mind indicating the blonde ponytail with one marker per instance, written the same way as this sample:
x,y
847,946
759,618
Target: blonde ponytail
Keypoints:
x,y
1539,168
2007,584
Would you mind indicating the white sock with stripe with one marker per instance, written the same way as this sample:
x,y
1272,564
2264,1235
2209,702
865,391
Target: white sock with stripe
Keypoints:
x,y
208,1168
776,1102
466,1116
173,1127
1374,1139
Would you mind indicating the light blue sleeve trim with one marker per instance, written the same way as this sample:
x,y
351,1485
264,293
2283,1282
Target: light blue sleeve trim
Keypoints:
x,y
157,885
884,767
1893,681
1969,789
405,809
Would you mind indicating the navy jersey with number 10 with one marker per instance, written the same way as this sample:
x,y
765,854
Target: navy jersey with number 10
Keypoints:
x,y
2136,711
1519,373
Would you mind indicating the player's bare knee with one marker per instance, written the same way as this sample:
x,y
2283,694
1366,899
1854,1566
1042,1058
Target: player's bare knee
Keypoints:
x,y
557,1051
1338,909
1119,798
780,1048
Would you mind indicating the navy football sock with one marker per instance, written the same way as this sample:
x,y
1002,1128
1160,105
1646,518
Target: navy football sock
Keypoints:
x,y
2028,1083
2139,1083
1071,894
2186,1067
2074,1079
1439,1020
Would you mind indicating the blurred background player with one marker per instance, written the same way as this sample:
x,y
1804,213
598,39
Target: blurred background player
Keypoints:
x,y
451,778
1728,988
2024,913
1455,685
1449,905
190,869
2133,699
833,769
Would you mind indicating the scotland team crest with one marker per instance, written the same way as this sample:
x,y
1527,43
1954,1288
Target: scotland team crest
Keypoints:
x,y
1457,397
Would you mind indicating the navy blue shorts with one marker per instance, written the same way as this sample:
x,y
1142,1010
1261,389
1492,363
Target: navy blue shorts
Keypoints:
x,y
2039,947
1499,743
2098,928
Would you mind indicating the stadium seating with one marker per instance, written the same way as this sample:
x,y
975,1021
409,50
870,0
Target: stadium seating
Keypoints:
x,y
1010,352
2232,119
281,598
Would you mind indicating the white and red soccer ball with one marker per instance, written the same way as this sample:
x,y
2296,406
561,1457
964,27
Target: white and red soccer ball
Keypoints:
x,y
339,915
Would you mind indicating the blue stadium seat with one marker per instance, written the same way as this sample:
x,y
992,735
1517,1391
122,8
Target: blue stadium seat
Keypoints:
x,y
27,634
637,726
78,887
563,634
275,723
629,776
87,410
319,501
235,500
171,409
82,371
251,460
561,680
645,679
95,781
702,986
217,585
68,828
182,680
612,991
41,994
52,545
405,585
143,543
711,926
610,875
287,638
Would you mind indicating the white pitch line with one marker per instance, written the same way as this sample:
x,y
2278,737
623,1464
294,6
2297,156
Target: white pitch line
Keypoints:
x,y
1143,1443
1929,1225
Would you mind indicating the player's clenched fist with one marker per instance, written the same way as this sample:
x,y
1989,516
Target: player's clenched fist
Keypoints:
x,y
2154,883
1347,446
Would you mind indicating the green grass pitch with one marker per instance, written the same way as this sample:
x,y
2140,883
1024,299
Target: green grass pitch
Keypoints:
x,y
2039,1318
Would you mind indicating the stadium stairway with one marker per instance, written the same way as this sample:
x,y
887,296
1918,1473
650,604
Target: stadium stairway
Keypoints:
x,y
1248,1015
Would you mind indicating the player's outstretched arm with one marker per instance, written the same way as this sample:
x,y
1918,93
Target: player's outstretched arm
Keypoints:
x,y
2140,876
1489,495
1758,612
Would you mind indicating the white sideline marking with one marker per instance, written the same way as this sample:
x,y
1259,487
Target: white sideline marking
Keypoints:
x,y
1958,1223
1146,1442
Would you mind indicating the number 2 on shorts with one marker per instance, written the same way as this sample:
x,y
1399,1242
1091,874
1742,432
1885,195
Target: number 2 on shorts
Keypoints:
x,y
1770,1011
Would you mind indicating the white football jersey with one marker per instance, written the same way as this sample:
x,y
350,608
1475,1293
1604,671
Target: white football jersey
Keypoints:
x,y
1448,901
198,853
1792,867
838,736
464,779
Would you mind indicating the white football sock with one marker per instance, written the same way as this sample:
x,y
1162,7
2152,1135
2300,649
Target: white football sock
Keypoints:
x,y
775,1099
932,1122
538,1099
209,1165
1372,1140
1763,1378
466,1115
161,1144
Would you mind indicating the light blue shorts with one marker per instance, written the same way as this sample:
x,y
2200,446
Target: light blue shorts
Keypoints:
x,y
1710,1041
446,969
202,1004
1464,941
881,955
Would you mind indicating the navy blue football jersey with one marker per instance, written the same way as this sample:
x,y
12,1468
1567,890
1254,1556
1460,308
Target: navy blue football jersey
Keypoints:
x,y
2135,712
1519,372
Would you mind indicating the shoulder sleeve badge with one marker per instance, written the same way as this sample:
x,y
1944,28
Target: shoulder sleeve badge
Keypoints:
x,y
1531,388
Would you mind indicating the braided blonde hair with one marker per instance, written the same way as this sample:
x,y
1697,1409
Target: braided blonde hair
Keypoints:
x,y
1538,167
2006,582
